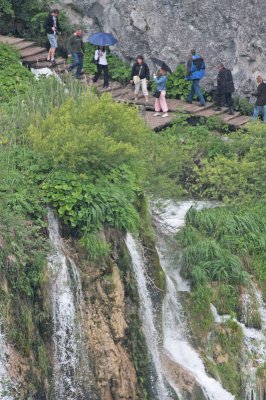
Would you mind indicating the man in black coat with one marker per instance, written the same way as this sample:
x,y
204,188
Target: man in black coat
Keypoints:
x,y
225,88
52,29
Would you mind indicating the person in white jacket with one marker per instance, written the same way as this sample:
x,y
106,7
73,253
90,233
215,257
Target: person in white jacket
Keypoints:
x,y
102,65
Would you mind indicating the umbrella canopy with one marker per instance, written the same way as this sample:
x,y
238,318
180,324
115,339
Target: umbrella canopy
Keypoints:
x,y
102,39
161,64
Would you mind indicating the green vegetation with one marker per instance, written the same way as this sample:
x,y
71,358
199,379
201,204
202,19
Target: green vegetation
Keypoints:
x,y
226,346
14,78
177,85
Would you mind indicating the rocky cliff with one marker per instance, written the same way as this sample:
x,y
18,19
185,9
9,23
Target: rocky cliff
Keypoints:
x,y
230,31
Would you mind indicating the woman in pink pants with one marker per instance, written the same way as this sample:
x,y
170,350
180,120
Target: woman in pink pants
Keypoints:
x,y
160,103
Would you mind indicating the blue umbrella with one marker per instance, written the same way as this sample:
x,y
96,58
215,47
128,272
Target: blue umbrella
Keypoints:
x,y
102,39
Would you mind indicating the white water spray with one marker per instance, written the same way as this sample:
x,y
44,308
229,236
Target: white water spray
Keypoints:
x,y
176,341
5,383
147,315
66,296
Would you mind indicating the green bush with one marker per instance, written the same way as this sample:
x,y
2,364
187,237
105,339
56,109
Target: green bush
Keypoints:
x,y
177,85
90,133
14,78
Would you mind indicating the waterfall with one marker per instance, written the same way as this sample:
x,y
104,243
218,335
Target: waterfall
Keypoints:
x,y
176,342
255,343
70,362
147,316
6,385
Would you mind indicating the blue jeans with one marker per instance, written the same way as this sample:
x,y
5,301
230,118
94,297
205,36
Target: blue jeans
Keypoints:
x,y
256,112
77,63
195,89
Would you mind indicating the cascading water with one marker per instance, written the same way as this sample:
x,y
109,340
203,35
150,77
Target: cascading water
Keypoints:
x,y
70,362
176,342
255,343
147,316
5,383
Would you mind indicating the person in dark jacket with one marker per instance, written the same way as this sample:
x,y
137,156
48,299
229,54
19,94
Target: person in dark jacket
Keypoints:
x,y
225,88
140,76
52,29
195,71
261,99
75,48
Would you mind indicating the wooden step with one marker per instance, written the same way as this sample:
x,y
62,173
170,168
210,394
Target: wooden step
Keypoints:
x,y
35,59
47,64
10,40
120,93
112,87
23,45
157,123
228,117
239,121
210,112
32,51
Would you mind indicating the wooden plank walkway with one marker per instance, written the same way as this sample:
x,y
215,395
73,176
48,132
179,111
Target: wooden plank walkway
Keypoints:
x,y
35,57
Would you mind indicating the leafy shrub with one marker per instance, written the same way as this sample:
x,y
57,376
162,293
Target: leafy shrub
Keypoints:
x,y
14,78
243,106
177,85
90,134
87,203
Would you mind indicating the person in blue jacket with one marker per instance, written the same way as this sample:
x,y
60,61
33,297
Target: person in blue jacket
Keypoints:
x,y
160,103
195,71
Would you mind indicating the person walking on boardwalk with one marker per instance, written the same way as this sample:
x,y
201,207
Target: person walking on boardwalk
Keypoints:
x,y
195,71
52,29
261,99
76,49
160,103
140,76
102,65
225,88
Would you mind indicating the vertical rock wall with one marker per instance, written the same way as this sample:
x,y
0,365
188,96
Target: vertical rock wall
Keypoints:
x,y
228,30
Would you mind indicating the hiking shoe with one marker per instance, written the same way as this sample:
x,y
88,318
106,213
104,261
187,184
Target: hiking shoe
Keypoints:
x,y
188,101
165,115
156,114
217,109
53,62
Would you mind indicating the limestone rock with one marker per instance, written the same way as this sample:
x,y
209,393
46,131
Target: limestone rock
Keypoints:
x,y
233,32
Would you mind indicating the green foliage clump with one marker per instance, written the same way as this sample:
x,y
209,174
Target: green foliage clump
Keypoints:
x,y
178,87
87,203
243,106
227,343
118,69
198,306
14,78
90,133
23,253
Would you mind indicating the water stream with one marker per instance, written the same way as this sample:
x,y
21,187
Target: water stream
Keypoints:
x,y
176,340
5,383
70,361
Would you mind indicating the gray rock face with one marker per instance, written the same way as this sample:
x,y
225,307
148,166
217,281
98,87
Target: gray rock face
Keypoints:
x,y
227,30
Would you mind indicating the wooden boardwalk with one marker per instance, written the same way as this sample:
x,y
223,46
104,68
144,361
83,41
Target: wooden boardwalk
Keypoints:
x,y
35,57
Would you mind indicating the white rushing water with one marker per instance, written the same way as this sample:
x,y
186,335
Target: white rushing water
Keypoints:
x,y
176,342
5,382
66,296
147,314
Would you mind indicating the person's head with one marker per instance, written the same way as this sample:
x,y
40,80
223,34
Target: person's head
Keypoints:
x,y
55,12
102,48
162,71
139,59
259,79
79,32
220,66
191,53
